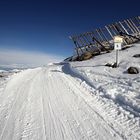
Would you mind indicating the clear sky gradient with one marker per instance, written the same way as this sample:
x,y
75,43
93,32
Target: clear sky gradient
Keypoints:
x,y
44,26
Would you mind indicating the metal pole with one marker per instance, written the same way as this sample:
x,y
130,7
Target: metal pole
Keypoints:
x,y
117,55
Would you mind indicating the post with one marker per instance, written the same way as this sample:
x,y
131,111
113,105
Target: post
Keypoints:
x,y
117,58
118,40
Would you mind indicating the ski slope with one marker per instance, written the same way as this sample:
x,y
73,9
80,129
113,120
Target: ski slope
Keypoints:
x,y
71,102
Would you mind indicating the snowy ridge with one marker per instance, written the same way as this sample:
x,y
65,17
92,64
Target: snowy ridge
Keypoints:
x,y
117,117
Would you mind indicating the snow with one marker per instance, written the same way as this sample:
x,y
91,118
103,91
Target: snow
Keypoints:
x,y
2,71
73,101
112,83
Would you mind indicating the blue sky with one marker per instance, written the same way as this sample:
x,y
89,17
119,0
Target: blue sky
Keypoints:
x,y
44,26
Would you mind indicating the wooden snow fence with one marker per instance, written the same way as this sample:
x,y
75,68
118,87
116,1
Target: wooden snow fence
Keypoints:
x,y
101,40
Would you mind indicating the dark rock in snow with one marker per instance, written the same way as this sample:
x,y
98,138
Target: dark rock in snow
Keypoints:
x,y
87,56
114,65
1,76
133,70
136,55
108,65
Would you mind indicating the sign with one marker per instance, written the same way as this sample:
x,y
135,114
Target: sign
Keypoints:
x,y
117,46
118,39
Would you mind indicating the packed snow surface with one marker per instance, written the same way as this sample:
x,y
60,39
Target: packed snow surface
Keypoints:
x,y
73,101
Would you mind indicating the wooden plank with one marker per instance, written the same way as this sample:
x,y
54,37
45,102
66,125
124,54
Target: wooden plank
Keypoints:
x,y
134,31
134,25
106,33
82,40
109,31
126,22
82,45
86,37
137,20
89,42
95,34
103,34
110,27
104,40
85,41
78,44
123,27
117,32
98,32
76,47
96,44
100,43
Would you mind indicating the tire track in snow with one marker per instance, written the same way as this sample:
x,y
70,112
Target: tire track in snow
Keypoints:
x,y
50,118
10,113
64,121
72,94
72,120
62,117
33,122
16,104
95,114
55,106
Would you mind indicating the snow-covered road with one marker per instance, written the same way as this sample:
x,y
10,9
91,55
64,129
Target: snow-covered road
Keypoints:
x,y
49,104
39,104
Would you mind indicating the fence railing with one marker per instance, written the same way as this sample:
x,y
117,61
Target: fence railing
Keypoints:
x,y
101,39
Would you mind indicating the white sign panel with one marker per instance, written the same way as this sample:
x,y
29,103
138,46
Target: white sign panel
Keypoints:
x,y
118,39
117,46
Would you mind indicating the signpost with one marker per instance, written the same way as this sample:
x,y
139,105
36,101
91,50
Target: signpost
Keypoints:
x,y
118,40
